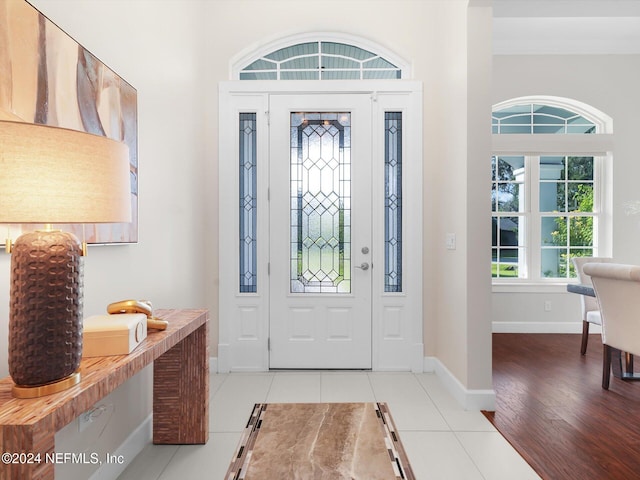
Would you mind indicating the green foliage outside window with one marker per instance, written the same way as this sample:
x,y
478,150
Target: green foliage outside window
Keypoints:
x,y
575,233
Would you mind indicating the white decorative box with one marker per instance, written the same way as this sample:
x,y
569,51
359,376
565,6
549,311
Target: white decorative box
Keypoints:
x,y
113,334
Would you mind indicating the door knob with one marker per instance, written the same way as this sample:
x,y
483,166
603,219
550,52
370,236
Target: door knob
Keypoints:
x,y
363,266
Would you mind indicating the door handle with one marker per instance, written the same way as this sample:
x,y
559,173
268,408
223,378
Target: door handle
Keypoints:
x,y
363,266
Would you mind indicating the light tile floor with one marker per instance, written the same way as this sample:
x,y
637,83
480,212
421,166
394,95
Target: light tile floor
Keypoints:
x,y
442,440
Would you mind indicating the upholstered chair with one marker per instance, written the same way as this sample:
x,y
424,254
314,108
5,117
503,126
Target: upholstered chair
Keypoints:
x,y
590,308
617,287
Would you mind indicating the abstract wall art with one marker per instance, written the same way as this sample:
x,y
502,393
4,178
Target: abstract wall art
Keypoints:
x,y
46,77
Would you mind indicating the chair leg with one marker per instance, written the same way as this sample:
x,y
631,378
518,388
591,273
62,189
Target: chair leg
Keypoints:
x,y
629,362
606,366
585,337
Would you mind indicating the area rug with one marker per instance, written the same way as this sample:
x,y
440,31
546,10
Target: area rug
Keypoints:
x,y
320,441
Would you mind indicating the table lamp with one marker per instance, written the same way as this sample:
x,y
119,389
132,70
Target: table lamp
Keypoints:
x,y
53,175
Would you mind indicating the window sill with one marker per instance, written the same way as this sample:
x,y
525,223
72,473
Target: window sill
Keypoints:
x,y
532,287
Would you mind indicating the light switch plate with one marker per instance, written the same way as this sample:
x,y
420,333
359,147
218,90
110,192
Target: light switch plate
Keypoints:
x,y
450,241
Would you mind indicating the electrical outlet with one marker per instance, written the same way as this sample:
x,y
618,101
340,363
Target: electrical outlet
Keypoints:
x,y
547,305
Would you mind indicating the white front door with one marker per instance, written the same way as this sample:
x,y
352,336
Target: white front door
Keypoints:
x,y
320,235
295,290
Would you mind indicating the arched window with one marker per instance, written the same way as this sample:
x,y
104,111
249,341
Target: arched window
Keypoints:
x,y
546,192
320,57
535,118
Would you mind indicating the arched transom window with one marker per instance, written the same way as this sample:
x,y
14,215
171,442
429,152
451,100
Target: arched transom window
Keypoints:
x,y
321,60
538,118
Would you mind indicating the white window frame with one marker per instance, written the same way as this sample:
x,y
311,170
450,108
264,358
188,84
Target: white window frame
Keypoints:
x,y
598,145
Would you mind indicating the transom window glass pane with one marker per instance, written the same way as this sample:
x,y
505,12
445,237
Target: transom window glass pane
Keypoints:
x,y
320,202
321,61
248,203
533,118
393,202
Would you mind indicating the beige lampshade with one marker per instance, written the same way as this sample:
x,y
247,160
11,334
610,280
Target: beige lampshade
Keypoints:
x,y
55,175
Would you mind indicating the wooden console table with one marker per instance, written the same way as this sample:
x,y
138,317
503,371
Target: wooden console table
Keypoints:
x,y
180,355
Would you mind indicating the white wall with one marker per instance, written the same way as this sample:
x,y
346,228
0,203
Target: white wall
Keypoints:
x,y
610,84
157,47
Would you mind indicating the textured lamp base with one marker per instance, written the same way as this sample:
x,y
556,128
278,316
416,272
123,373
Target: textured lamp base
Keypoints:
x,y
41,390
45,312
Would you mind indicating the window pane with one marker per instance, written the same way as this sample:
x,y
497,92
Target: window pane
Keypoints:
x,y
381,74
258,76
552,168
505,263
294,51
580,168
548,129
320,203
261,64
514,129
248,203
393,202
580,197
298,75
516,120
378,63
552,111
333,48
552,197
554,263
581,129
547,120
509,168
340,75
339,62
508,231
581,232
508,197
301,63
553,231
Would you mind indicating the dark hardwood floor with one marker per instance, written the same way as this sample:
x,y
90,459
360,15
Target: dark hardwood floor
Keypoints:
x,y
551,407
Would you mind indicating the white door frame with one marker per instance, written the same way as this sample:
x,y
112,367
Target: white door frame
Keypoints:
x,y
397,343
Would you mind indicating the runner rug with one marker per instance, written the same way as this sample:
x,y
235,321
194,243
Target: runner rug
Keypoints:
x,y
320,441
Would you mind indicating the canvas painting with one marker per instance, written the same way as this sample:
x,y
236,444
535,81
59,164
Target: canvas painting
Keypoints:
x,y
46,77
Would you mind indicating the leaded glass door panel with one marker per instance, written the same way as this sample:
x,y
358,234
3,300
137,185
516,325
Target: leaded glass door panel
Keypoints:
x,y
320,231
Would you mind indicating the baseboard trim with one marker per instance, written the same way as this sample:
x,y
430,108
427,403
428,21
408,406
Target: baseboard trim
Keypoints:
x,y
128,450
223,358
541,327
213,364
472,400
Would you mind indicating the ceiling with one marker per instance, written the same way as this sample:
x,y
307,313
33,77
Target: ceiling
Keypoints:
x,y
566,27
